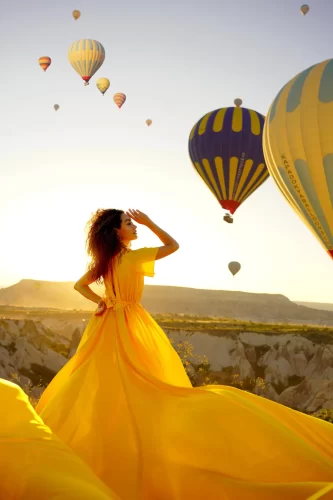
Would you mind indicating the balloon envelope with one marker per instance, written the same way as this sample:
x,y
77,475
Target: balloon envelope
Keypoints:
x,y
149,122
225,147
119,99
76,14
238,102
86,57
56,107
234,267
298,147
305,9
44,62
103,84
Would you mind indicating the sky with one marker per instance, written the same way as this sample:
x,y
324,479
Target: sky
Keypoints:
x,y
175,61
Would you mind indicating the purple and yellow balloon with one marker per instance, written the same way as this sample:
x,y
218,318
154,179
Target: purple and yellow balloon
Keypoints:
x,y
225,147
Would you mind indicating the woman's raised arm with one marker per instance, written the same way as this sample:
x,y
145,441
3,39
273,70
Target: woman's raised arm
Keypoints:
x,y
170,244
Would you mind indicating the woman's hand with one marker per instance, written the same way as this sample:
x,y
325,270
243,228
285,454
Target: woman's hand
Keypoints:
x,y
101,308
139,217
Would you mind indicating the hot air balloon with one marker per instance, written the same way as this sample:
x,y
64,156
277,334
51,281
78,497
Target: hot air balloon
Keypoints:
x,y
225,147
119,99
76,14
234,267
56,107
238,102
149,122
86,57
103,84
305,9
298,148
44,62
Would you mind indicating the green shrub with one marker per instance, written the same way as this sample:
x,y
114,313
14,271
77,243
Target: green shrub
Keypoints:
x,y
324,414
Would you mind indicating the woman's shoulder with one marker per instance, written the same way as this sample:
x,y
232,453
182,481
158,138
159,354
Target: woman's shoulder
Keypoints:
x,y
143,254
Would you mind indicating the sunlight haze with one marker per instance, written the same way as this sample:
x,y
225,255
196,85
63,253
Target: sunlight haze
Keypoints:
x,y
175,62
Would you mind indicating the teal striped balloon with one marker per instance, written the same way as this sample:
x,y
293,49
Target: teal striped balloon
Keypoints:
x,y
298,148
86,57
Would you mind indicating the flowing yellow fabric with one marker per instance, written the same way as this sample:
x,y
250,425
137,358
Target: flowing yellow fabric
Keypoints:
x,y
34,463
125,405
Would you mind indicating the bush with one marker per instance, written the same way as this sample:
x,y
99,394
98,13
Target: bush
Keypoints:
x,y
324,414
28,388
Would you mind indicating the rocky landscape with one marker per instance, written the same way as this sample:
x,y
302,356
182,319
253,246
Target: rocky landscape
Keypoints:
x,y
297,366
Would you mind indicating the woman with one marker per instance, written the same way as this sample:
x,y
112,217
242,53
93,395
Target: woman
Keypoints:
x,y
126,406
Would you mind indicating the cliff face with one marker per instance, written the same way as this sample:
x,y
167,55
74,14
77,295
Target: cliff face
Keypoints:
x,y
298,372
30,350
297,369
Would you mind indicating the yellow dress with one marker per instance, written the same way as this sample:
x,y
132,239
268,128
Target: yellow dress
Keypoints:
x,y
34,463
125,405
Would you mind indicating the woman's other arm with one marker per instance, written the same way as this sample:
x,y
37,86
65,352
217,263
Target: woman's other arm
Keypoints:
x,y
82,286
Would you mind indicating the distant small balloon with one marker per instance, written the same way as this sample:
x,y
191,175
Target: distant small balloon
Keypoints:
x,y
76,14
234,267
305,9
103,84
44,62
238,102
119,99
56,107
149,122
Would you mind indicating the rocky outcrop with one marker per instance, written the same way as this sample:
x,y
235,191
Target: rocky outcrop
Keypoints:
x,y
297,370
30,350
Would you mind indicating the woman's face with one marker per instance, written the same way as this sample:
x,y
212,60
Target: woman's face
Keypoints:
x,y
127,231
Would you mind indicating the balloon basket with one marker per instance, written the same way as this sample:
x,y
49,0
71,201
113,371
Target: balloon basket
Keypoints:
x,y
228,218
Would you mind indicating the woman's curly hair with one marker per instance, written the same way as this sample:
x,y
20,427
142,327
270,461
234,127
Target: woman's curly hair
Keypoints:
x,y
102,243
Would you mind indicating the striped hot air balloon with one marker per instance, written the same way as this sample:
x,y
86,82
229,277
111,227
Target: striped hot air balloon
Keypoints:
x,y
119,99
225,147
44,62
298,148
86,57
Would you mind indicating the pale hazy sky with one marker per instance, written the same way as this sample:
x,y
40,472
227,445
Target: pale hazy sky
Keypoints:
x,y
175,61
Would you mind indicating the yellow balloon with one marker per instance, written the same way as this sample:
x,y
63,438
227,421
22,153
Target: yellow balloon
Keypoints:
x,y
298,148
103,84
76,14
86,57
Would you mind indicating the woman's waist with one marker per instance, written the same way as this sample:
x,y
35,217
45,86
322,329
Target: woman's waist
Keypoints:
x,y
119,303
